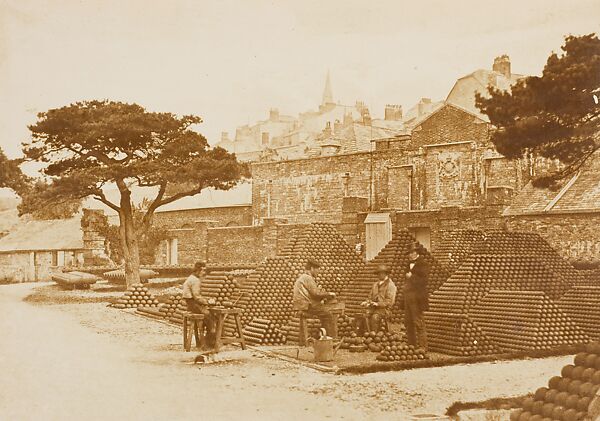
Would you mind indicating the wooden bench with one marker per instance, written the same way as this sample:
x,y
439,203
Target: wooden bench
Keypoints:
x,y
193,324
219,315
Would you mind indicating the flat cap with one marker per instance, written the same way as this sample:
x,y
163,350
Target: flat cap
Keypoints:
x,y
312,263
382,269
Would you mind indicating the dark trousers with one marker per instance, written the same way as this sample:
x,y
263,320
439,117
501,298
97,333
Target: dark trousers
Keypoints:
x,y
414,322
195,307
326,318
375,317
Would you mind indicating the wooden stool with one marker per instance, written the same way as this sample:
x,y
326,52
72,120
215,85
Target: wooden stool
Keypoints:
x,y
220,314
193,323
367,324
304,315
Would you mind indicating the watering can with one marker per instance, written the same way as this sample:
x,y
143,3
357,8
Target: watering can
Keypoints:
x,y
323,347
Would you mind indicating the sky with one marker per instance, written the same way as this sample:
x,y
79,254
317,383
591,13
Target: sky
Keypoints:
x,y
231,61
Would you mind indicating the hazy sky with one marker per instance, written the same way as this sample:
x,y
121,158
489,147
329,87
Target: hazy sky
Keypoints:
x,y
230,61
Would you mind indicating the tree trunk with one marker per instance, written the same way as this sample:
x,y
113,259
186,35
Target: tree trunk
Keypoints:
x,y
129,240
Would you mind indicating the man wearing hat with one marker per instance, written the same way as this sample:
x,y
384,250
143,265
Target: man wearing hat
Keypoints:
x,y
416,299
310,297
195,302
381,299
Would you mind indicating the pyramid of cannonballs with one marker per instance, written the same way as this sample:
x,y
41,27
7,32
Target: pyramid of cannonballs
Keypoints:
x,y
136,296
267,293
456,246
568,396
582,305
519,267
523,320
395,256
456,334
169,308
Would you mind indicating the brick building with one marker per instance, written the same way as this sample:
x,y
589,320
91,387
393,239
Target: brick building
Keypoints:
x,y
567,217
445,165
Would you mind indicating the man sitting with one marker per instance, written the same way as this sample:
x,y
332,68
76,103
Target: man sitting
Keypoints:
x,y
381,299
311,298
198,304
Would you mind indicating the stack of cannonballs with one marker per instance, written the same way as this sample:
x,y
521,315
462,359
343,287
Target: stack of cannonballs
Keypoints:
x,y
169,308
456,334
263,332
455,246
523,320
395,256
267,292
523,270
136,296
346,328
292,329
393,349
218,285
118,275
568,396
582,305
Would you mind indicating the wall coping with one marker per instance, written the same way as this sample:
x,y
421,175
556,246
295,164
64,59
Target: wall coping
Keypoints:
x,y
553,212
180,229
38,250
236,227
438,145
243,205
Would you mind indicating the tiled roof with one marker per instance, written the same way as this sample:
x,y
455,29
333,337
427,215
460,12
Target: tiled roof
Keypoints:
x,y
56,234
580,193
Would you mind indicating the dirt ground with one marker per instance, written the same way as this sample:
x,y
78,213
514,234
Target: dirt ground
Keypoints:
x,y
84,360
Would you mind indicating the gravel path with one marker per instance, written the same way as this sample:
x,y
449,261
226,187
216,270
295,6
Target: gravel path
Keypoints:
x,y
87,361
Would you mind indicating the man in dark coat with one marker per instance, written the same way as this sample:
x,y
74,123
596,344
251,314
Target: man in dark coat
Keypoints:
x,y
416,299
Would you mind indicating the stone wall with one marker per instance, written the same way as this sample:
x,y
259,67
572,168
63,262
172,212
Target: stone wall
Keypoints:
x,y
448,161
222,216
575,236
235,245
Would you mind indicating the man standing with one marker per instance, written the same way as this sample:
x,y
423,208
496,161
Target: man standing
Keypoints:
x,y
381,299
416,299
309,297
194,300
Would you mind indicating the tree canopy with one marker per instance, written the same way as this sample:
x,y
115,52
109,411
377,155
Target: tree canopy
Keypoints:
x,y
88,146
554,116
10,173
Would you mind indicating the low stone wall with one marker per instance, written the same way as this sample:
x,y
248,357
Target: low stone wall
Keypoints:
x,y
576,236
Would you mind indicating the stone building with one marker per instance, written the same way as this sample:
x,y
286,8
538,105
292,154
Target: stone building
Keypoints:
x,y
434,168
33,250
567,217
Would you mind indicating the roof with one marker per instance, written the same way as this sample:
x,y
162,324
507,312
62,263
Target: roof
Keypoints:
x,y
581,193
56,234
464,89
240,195
439,106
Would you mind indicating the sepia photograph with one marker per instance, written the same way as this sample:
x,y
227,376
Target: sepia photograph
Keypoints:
x,y
299,210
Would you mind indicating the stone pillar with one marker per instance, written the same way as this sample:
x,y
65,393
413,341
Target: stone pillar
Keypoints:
x,y
92,223
201,234
351,208
270,235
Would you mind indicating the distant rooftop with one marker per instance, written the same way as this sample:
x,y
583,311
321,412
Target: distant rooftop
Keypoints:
x,y
56,234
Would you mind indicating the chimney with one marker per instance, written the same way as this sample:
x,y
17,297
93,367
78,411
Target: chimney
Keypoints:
x,y
502,65
366,117
424,106
327,130
337,126
265,138
348,120
274,114
224,136
393,112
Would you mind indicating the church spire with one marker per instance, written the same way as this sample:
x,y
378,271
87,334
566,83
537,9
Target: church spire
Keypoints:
x,y
327,92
